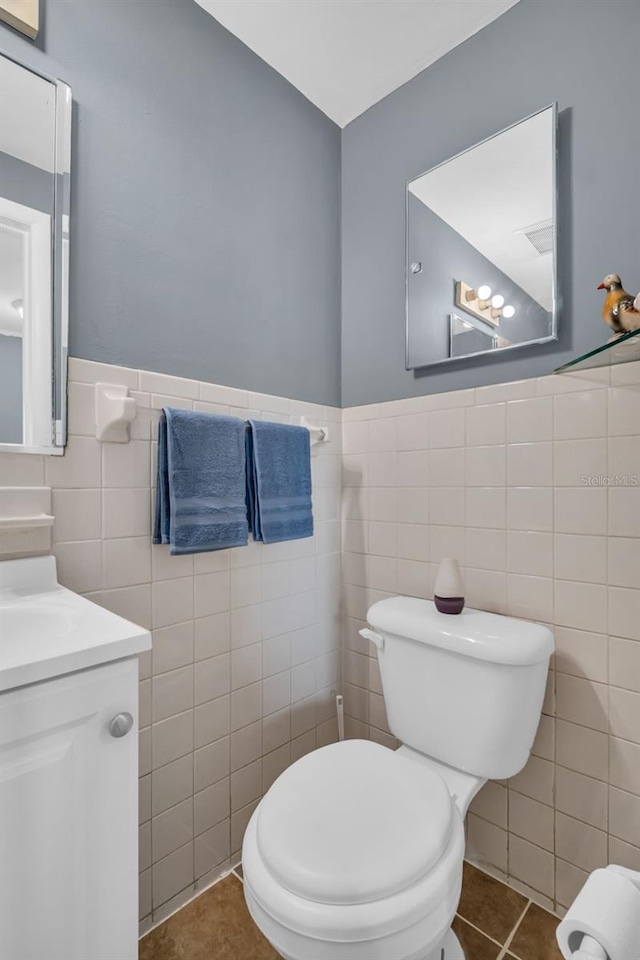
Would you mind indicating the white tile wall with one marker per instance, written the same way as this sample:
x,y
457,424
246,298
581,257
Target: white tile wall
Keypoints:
x,y
246,654
246,642
513,480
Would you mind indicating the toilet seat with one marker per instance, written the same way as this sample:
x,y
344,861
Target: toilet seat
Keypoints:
x,y
353,823
410,902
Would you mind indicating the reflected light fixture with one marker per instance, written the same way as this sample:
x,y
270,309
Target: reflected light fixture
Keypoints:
x,y
497,300
481,303
18,306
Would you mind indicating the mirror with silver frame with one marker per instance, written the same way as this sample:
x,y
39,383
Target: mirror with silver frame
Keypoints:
x,y
482,247
35,153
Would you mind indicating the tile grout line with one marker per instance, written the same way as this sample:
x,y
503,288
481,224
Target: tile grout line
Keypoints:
x,y
496,943
510,938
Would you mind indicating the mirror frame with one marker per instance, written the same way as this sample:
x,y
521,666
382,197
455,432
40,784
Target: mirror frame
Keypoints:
x,y
555,312
59,267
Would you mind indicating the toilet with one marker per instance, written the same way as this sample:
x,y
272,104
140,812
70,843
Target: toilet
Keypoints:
x,y
356,851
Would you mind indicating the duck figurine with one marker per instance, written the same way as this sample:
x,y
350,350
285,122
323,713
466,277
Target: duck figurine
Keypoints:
x,y
619,309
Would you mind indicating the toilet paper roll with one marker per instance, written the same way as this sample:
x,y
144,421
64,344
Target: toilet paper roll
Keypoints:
x,y
607,909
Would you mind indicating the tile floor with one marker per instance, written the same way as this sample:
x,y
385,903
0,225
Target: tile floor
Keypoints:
x,y
214,926
493,922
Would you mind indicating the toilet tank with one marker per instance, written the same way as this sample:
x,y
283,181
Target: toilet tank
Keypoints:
x,y
466,690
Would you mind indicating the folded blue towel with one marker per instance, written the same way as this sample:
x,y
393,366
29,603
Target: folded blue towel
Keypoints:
x,y
279,481
201,489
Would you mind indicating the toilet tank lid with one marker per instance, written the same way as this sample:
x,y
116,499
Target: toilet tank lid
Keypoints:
x,y
473,633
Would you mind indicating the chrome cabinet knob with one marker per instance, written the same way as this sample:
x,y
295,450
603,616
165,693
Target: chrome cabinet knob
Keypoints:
x,y
121,724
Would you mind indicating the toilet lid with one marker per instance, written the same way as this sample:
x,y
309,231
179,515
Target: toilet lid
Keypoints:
x,y
352,823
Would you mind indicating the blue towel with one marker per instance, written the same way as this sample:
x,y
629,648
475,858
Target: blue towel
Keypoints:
x,y
201,489
279,481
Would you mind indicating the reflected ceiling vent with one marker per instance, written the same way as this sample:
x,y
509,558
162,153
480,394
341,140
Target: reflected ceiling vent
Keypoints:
x,y
540,236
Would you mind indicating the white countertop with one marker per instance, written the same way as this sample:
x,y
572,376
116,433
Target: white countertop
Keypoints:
x,y
47,630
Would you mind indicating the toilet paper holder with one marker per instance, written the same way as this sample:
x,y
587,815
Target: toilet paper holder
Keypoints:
x,y
573,939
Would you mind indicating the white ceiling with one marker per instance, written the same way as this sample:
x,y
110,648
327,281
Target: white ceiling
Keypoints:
x,y
345,55
490,193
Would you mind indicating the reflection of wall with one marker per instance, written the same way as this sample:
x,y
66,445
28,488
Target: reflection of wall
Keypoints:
x,y
471,341
23,183
205,201
514,66
10,389
446,257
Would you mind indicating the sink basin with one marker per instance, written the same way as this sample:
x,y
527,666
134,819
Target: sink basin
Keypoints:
x,y
46,616
47,630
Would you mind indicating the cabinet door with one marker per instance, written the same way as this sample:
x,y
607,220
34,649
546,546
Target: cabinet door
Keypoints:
x,y
68,818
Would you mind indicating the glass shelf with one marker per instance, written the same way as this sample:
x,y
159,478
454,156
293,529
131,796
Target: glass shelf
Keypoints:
x,y
623,349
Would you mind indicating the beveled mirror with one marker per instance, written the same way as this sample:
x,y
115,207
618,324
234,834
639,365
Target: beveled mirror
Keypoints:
x,y
35,151
482,247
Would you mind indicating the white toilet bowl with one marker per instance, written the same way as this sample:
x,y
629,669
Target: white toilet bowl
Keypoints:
x,y
356,853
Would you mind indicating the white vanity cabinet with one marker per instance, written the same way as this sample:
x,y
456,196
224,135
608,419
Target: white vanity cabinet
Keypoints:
x,y
68,817
68,781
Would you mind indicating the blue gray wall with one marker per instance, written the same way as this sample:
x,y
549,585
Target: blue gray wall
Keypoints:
x,y
585,56
205,200
446,257
10,389
206,192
